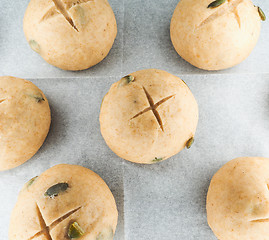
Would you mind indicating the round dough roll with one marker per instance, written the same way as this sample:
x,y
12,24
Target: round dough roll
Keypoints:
x,y
70,34
148,116
24,123
65,202
238,200
215,38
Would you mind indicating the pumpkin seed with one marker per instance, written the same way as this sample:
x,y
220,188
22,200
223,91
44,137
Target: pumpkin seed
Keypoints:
x,y
31,181
185,83
81,14
35,46
56,189
126,80
157,159
106,234
216,3
75,231
262,14
38,97
190,142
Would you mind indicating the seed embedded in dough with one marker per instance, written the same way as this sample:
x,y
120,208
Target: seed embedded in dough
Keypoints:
x,y
106,234
35,46
126,80
31,181
56,189
81,15
75,231
216,3
157,159
190,142
262,14
38,97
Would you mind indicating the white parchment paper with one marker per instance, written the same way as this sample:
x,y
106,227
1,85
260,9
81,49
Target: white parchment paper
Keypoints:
x,y
161,201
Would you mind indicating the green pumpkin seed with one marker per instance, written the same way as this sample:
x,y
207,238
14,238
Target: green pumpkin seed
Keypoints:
x,y
31,181
38,97
126,80
190,142
262,14
184,82
157,159
35,46
216,3
75,231
107,234
55,190
81,14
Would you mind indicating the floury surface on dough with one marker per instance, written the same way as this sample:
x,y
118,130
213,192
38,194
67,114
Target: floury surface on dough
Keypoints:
x,y
65,202
70,34
238,200
24,122
215,38
148,116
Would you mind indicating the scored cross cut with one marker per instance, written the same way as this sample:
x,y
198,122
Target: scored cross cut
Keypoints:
x,y
231,7
46,229
63,8
153,107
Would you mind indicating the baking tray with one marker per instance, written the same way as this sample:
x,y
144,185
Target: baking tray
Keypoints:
x,y
161,201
